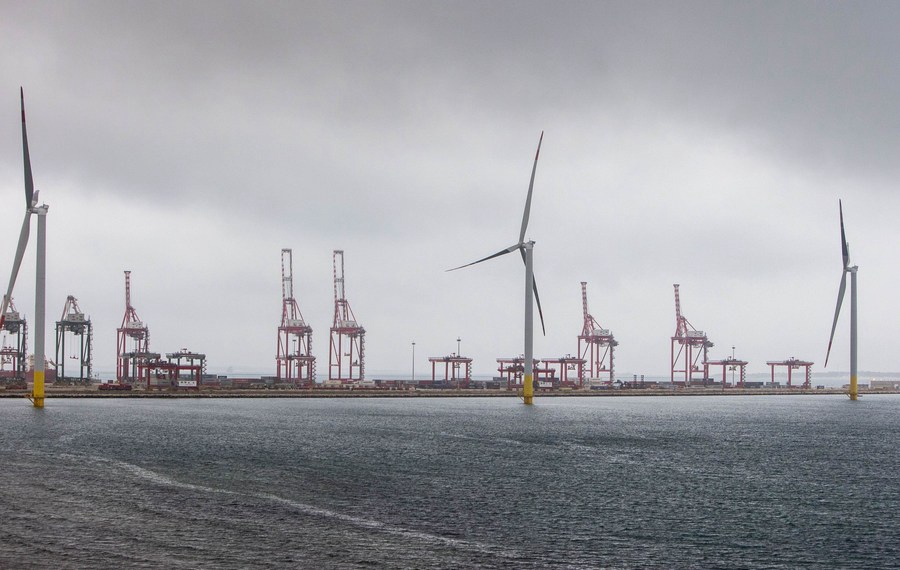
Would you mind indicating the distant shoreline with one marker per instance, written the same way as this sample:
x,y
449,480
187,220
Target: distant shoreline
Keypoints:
x,y
93,392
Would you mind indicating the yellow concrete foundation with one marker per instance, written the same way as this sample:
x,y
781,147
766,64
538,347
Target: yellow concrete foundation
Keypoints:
x,y
528,390
854,390
37,394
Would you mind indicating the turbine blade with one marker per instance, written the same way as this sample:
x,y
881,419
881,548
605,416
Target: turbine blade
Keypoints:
x,y
510,249
527,213
29,180
837,312
845,249
537,297
20,253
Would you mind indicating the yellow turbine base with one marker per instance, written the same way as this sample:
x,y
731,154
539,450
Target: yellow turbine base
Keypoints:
x,y
37,393
528,390
854,389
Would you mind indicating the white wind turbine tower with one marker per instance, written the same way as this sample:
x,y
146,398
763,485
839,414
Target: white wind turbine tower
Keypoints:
x,y
31,207
845,254
526,248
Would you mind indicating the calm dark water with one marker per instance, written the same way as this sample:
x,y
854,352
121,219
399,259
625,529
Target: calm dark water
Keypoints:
x,y
705,482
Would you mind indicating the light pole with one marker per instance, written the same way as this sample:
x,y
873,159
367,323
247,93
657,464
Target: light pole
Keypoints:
x,y
732,366
414,361
456,364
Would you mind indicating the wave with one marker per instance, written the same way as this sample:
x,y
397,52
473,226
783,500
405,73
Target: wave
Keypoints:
x,y
305,508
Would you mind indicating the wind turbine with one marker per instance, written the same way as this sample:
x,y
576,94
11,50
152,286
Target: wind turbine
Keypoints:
x,y
845,254
526,248
31,207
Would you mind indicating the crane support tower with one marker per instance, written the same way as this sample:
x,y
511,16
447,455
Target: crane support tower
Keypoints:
x,y
132,341
296,364
76,328
596,346
347,356
792,364
12,356
689,360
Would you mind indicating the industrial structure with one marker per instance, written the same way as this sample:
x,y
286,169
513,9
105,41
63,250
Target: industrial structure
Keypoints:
x,y
792,364
689,361
15,346
457,371
189,368
74,342
347,355
568,371
296,364
730,364
182,369
132,342
513,371
154,372
596,346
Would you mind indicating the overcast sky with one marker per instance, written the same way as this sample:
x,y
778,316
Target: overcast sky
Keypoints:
x,y
700,143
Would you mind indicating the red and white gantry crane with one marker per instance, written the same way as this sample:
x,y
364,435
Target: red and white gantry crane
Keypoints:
x,y
690,358
296,364
346,358
132,340
596,345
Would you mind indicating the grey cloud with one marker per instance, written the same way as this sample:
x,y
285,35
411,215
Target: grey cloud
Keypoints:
x,y
702,141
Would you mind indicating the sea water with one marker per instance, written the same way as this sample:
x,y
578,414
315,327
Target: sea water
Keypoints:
x,y
608,482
